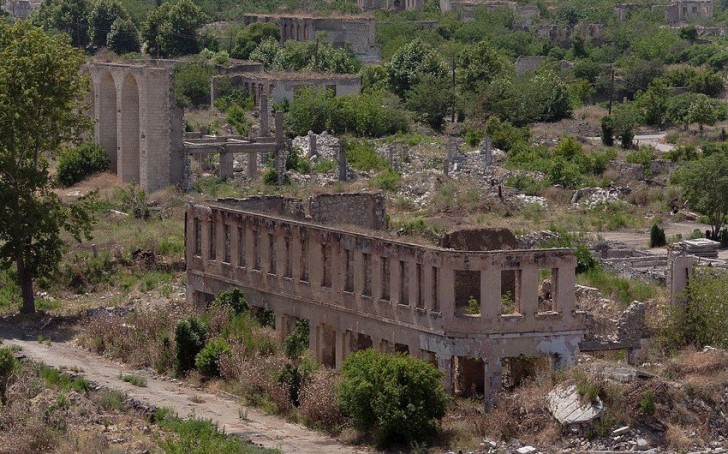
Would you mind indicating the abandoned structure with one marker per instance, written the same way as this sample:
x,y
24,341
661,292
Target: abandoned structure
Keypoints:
x,y
284,85
390,5
677,12
20,9
477,315
526,15
355,31
137,122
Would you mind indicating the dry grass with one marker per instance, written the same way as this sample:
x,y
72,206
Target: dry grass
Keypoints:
x,y
318,405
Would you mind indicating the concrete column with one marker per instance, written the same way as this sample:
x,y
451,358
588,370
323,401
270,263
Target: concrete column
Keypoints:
x,y
343,342
280,162
279,128
528,289
312,145
446,296
226,165
492,383
342,160
490,301
487,150
252,165
264,127
444,363
281,327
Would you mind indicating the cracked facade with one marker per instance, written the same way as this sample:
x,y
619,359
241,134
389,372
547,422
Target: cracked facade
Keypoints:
x,y
475,314
138,123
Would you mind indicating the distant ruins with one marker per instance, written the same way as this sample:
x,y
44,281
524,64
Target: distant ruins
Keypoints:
x,y
20,9
279,86
355,31
678,12
390,5
137,122
477,315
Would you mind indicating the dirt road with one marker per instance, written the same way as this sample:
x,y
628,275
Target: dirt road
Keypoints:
x,y
261,429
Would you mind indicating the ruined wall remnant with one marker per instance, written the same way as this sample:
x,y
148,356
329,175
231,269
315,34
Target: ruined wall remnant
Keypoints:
x,y
271,204
360,290
390,5
489,239
355,31
137,122
360,209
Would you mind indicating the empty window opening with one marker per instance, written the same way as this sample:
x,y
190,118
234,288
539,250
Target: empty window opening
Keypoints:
x,y
510,292
328,346
349,283
367,268
288,272
385,278
360,342
256,250
304,260
326,265
435,299
547,290
198,237
401,348
404,283
241,246
467,293
271,253
517,370
227,256
420,286
469,376
213,240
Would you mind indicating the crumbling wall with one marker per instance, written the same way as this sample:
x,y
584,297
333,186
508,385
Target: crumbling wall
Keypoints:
x,y
492,239
359,209
274,205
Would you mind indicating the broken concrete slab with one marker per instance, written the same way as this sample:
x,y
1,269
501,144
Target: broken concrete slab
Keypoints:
x,y
568,406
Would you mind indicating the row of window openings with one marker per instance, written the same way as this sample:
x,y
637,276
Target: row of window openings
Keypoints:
x,y
326,277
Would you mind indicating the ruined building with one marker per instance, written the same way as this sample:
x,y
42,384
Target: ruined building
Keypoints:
x,y
137,122
390,5
678,12
355,31
20,9
477,315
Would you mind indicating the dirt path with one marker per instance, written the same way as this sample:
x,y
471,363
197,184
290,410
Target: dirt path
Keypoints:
x,y
259,428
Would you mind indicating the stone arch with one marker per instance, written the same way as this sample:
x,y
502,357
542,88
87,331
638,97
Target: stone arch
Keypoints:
x,y
130,131
107,114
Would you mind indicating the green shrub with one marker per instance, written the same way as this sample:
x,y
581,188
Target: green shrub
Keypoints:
x,y
399,398
296,161
233,298
208,360
657,236
7,366
133,200
296,343
387,181
585,260
75,164
189,337
473,137
237,119
324,166
642,156
192,84
608,131
363,156
294,375
681,154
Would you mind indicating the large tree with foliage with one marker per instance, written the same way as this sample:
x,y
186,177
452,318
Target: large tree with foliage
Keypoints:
x,y
172,29
705,185
251,36
411,63
102,17
124,37
65,16
41,91
479,65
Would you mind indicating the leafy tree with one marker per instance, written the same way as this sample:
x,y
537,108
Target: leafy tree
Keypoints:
x,y
608,130
399,397
41,92
653,103
411,63
702,112
305,56
192,83
522,100
77,163
251,36
657,236
432,98
705,183
480,64
172,29
102,17
65,16
124,37
625,119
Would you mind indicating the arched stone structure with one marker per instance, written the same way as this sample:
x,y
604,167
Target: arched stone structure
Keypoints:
x,y
137,122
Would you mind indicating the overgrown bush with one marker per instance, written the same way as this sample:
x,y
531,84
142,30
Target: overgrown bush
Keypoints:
x,y
296,343
7,365
608,131
387,181
75,164
399,398
233,298
189,337
208,360
363,156
702,319
657,236
192,83
643,156
133,200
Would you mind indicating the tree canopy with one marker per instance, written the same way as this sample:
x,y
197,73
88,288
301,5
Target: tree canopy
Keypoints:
x,y
705,185
41,92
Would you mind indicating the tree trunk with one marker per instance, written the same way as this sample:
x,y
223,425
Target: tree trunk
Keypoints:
x,y
25,280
